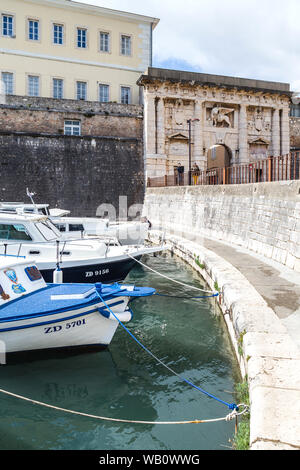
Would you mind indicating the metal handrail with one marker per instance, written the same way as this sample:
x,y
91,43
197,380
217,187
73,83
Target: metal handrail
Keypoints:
x,y
281,168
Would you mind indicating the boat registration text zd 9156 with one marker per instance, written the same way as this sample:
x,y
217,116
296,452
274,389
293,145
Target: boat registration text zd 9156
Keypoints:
x,y
97,273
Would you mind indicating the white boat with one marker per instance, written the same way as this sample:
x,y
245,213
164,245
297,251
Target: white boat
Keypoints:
x,y
36,316
127,233
82,260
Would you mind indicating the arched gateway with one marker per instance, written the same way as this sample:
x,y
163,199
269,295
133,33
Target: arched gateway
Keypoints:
x,y
187,114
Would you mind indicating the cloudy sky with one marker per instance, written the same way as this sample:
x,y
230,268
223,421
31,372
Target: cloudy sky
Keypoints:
x,y
244,38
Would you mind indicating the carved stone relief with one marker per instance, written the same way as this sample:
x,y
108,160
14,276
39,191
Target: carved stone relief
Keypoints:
x,y
249,135
220,116
259,120
178,111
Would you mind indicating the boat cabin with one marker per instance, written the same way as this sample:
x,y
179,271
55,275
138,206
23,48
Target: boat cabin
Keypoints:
x,y
18,277
70,227
27,228
36,236
42,209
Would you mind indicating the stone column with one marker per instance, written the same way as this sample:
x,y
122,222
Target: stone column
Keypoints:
x,y
149,124
285,131
198,156
160,127
275,133
243,135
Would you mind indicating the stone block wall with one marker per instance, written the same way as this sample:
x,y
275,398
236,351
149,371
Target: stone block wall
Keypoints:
x,y
47,116
262,217
77,174
74,173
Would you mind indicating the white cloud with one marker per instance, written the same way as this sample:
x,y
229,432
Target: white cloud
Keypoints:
x,y
247,38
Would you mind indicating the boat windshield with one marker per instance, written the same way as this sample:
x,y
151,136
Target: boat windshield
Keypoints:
x,y
48,230
14,232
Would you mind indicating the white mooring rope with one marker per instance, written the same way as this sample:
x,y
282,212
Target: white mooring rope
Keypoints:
x,y
234,414
170,279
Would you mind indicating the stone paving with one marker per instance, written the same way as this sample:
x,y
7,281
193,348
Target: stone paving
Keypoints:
x,y
279,286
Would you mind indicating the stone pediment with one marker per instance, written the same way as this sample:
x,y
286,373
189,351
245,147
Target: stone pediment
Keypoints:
x,y
259,141
178,136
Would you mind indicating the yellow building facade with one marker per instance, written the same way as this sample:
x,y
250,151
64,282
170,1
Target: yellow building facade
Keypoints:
x,y
70,50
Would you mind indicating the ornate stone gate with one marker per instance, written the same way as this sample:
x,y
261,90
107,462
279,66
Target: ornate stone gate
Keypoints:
x,y
249,117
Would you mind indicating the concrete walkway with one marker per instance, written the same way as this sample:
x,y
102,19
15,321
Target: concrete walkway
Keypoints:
x,y
279,286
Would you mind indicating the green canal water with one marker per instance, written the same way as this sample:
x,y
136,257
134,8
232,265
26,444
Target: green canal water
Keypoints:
x,y
125,382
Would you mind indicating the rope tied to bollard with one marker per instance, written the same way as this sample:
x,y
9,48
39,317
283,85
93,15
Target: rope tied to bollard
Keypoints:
x,y
231,406
227,418
170,279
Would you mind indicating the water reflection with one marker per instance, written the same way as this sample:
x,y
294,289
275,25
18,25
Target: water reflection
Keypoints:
x,y
124,382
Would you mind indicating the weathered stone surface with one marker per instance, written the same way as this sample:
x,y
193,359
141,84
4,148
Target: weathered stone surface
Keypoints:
x,y
275,413
227,120
270,344
76,173
47,115
262,217
273,372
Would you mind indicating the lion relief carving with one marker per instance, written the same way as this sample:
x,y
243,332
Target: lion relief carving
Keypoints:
x,y
220,116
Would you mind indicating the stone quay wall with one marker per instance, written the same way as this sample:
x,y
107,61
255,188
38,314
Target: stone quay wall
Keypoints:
x,y
78,173
262,217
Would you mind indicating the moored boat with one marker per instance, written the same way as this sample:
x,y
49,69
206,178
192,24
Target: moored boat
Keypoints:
x,y
80,260
38,316
125,232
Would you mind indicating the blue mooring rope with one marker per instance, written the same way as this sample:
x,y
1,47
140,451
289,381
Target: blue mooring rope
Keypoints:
x,y
231,406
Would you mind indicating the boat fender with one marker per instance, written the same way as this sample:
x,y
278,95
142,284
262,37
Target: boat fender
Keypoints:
x,y
57,276
123,317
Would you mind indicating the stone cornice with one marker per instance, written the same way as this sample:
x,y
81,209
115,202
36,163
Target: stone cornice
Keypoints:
x,y
194,80
203,100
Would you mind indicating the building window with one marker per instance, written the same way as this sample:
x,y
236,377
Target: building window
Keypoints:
x,y
81,38
33,30
81,88
125,45
33,85
104,93
125,95
295,110
58,34
104,42
72,128
58,88
7,25
8,83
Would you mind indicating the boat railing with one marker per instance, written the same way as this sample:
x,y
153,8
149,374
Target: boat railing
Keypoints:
x,y
60,252
12,256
